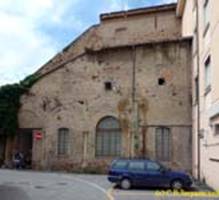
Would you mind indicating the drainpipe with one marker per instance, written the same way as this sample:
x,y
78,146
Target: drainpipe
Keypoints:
x,y
198,98
134,135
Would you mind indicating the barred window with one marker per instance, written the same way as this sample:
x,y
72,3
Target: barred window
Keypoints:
x,y
63,141
163,144
108,137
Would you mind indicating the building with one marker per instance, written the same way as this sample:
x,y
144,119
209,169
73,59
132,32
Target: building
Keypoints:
x,y
200,19
122,89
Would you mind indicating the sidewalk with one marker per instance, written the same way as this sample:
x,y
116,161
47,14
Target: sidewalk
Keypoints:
x,y
199,186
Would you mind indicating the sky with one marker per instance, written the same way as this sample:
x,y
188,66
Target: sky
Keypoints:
x,y
33,31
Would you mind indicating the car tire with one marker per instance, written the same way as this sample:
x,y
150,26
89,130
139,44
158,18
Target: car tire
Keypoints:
x,y
177,184
125,184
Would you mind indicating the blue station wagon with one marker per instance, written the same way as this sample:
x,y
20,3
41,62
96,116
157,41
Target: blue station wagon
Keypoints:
x,y
127,173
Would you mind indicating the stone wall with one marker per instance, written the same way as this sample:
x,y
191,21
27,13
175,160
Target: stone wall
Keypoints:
x,y
153,24
74,97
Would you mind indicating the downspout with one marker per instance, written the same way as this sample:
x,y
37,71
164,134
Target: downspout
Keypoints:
x,y
198,91
134,136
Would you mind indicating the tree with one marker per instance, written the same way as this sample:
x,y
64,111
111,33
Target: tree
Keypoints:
x,y
10,95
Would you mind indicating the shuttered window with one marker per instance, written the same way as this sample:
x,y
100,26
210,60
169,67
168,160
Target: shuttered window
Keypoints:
x,y
108,137
163,144
63,141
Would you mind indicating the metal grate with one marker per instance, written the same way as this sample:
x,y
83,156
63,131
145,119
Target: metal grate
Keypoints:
x,y
63,141
163,144
108,137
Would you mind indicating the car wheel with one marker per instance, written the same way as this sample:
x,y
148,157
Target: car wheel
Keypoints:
x,y
177,185
125,184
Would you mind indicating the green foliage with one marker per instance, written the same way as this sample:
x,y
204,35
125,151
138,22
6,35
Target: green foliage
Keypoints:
x,y
10,103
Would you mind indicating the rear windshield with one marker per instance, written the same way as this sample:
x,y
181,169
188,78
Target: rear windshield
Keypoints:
x,y
153,166
120,164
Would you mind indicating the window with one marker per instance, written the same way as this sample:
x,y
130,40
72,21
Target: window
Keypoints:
x,y
196,90
161,81
208,74
152,166
206,16
63,141
108,137
120,29
108,86
194,45
216,129
137,165
122,164
163,144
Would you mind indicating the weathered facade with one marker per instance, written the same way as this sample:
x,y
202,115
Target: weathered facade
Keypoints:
x,y
200,19
122,89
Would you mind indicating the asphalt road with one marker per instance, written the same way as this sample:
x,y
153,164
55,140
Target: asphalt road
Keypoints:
x,y
27,185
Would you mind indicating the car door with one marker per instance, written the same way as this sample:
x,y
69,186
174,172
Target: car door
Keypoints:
x,y
137,172
156,176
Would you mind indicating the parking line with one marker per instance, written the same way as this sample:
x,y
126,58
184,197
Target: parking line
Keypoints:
x,y
110,193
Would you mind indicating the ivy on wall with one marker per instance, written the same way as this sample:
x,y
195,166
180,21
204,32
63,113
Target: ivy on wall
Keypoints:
x,y
10,103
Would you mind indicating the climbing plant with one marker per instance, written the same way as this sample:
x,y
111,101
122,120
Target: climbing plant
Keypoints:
x,y
10,103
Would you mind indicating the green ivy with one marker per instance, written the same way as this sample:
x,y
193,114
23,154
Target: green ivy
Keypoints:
x,y
10,103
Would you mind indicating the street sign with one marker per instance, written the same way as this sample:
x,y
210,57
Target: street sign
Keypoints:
x,y
38,135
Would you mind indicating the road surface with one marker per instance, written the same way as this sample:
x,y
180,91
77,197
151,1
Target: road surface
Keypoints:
x,y
29,185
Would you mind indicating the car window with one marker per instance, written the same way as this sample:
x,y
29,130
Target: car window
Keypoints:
x,y
121,164
137,166
153,166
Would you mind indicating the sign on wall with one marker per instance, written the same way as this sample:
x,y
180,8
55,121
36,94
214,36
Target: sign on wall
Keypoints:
x,y
38,135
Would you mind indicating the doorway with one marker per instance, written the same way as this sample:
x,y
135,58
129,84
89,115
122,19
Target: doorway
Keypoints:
x,y
24,144
2,149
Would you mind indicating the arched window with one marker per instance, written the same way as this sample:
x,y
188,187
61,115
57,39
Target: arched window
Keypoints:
x,y
108,137
63,141
163,144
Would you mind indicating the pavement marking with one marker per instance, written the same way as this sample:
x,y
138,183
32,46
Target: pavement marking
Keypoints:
x,y
106,192
110,193
133,193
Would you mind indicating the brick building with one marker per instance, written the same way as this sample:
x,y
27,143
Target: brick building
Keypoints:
x,y
122,89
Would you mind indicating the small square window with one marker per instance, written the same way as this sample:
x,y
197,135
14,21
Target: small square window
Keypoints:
x,y
108,86
161,81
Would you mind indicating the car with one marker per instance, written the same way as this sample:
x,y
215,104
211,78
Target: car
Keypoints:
x,y
147,173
